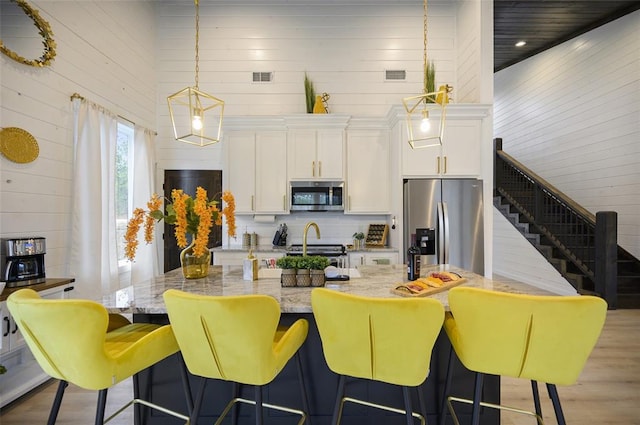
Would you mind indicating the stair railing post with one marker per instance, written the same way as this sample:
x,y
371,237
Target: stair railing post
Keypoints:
x,y
497,146
606,247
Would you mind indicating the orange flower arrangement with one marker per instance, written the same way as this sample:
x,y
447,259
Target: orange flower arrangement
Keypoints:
x,y
188,215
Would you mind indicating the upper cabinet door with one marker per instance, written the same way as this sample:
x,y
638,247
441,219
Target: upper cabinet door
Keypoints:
x,y
368,172
461,150
330,154
271,174
459,155
316,154
241,169
301,149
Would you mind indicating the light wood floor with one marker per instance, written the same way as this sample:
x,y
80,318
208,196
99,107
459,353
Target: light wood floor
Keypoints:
x,y
608,391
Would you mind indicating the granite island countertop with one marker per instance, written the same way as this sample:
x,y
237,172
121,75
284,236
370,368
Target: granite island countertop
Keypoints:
x,y
375,281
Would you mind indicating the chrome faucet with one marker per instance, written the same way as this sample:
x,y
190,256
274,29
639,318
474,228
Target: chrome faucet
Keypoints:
x,y
304,236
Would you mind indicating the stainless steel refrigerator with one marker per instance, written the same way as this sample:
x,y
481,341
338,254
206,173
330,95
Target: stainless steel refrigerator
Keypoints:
x,y
444,218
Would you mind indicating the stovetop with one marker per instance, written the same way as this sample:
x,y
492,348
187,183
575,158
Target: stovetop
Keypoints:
x,y
319,249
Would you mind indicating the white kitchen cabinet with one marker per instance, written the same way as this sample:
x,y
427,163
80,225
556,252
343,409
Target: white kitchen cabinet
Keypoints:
x,y
23,372
369,258
11,336
256,173
315,154
459,155
367,172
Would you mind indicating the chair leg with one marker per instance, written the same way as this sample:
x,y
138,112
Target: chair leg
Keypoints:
x,y
407,405
423,405
553,393
102,404
337,410
137,409
303,388
477,395
57,401
185,382
536,398
235,393
195,411
258,404
447,388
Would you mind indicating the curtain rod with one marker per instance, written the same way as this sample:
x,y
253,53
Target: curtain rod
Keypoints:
x,y
78,96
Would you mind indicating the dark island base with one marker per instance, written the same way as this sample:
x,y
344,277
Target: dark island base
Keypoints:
x,y
166,389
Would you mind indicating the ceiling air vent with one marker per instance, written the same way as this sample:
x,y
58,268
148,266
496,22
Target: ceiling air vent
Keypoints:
x,y
262,77
395,75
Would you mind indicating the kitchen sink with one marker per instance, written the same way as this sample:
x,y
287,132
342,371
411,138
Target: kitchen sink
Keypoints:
x,y
265,273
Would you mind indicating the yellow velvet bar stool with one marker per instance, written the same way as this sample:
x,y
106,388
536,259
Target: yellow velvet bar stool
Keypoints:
x,y
236,339
388,340
539,338
79,342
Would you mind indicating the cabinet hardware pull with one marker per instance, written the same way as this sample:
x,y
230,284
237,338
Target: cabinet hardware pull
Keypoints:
x,y
15,328
319,168
284,202
252,208
438,159
445,165
8,328
70,288
313,168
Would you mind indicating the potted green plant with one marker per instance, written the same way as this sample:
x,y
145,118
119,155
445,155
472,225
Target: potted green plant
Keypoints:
x,y
303,276
289,265
317,264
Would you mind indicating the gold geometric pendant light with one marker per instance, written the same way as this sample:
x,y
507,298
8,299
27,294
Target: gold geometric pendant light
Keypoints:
x,y
426,113
196,116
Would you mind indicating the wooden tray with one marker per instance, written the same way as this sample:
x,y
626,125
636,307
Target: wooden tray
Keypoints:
x,y
429,291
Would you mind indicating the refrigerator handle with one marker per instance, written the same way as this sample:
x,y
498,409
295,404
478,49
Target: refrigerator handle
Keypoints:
x,y
445,215
441,233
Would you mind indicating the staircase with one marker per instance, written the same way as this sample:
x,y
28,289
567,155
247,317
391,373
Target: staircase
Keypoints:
x,y
581,246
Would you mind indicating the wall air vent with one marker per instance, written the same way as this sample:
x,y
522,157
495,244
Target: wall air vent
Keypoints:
x,y
395,75
262,77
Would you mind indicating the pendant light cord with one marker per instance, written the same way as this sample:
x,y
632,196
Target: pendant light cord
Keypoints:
x,y
424,57
198,39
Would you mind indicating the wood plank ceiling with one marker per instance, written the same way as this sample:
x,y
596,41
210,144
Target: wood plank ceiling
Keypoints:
x,y
547,23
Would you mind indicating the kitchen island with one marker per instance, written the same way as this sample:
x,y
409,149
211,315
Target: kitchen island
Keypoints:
x,y
144,301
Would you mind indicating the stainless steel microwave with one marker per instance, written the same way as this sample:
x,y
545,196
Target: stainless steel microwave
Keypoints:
x,y
317,196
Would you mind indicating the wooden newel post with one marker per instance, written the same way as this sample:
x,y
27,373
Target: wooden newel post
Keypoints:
x,y
497,146
606,245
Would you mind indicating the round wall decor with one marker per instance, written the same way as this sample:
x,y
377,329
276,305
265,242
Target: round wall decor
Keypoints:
x,y
18,145
43,30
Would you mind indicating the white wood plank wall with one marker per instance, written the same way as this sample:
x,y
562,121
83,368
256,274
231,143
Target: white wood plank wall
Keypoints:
x,y
572,115
105,52
515,258
344,49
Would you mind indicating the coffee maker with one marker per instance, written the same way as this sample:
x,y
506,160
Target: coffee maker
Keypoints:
x,y
23,261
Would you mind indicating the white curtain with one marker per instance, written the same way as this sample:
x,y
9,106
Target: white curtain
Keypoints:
x,y
145,265
94,259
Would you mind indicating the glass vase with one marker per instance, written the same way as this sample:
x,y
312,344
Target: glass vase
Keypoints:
x,y
194,267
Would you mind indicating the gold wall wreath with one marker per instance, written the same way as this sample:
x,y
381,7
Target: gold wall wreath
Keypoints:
x,y
44,29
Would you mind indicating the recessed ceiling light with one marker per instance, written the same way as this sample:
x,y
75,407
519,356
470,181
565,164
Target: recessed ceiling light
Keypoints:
x,y
521,43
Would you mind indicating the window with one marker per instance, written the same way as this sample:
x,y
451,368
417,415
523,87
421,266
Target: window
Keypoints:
x,y
124,175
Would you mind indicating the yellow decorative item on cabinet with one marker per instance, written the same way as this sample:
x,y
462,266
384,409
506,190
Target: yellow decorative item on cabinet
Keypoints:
x,y
318,107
